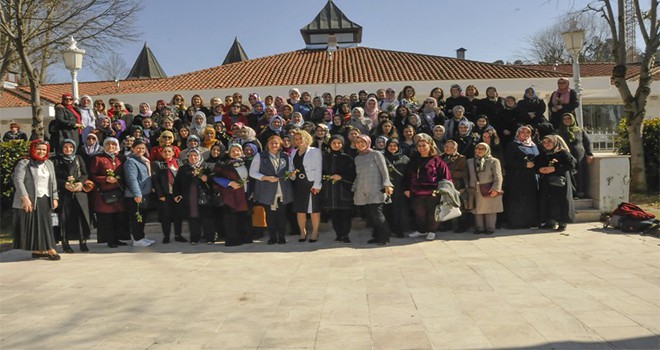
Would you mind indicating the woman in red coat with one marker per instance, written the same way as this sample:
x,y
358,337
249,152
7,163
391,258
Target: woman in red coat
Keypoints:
x,y
107,173
232,175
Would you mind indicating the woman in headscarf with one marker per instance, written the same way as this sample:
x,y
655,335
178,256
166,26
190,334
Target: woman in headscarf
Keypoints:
x,y
118,129
380,143
425,170
579,145
466,139
193,142
322,138
485,171
397,212
371,110
209,137
87,115
508,120
338,127
344,111
372,186
555,165
431,114
438,135
274,129
416,122
248,135
563,100
166,138
359,121
107,173
169,211
137,170
221,133
198,124
531,109
216,154
233,177
491,105
104,128
144,111
457,165
521,186
126,148
272,170
338,176
189,183
258,112
73,213
68,122
35,197
91,148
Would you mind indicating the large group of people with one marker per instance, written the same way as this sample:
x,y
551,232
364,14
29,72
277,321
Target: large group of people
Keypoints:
x,y
237,170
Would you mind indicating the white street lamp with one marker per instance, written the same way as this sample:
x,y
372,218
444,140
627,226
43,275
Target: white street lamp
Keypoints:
x,y
73,58
573,42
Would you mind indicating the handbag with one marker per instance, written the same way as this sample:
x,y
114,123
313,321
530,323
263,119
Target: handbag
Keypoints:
x,y
112,196
259,216
204,195
557,181
149,202
446,212
484,189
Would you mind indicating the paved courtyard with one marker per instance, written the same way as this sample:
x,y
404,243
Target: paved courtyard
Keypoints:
x,y
590,289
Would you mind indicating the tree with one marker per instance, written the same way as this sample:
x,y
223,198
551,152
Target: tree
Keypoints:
x,y
33,33
113,68
634,105
547,45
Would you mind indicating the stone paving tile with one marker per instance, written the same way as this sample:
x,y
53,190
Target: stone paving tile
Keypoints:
x,y
516,289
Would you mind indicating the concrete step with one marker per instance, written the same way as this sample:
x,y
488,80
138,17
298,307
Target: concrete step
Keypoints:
x,y
587,215
586,203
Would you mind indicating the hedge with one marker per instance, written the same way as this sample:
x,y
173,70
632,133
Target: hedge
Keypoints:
x,y
651,136
10,153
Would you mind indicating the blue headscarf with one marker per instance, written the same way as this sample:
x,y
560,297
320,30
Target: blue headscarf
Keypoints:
x,y
270,124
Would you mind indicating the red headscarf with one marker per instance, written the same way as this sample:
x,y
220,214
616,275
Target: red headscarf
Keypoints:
x,y
69,106
33,151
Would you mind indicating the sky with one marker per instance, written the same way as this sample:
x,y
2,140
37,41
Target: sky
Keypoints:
x,y
197,34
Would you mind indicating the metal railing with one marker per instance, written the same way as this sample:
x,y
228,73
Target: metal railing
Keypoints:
x,y
603,140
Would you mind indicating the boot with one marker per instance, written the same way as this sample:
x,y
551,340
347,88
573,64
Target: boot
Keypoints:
x,y
66,247
83,246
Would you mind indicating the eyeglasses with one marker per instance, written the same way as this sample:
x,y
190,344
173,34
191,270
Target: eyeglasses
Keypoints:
x,y
167,137
177,99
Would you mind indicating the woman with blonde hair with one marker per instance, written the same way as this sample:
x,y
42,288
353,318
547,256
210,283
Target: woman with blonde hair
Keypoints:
x,y
166,138
308,163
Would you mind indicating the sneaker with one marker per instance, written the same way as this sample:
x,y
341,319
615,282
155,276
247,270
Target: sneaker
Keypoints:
x,y
142,243
416,234
149,240
430,236
180,238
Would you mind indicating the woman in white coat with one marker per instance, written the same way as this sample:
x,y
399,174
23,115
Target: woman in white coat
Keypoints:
x,y
308,163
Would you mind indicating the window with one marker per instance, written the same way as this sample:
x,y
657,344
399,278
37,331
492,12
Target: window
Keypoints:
x,y
601,118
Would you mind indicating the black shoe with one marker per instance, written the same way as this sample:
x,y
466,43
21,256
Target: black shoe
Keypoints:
x,y
112,245
271,242
313,240
39,255
232,244
561,227
383,243
166,239
345,239
180,238
281,240
118,242
373,241
489,232
400,235
547,226
83,246
460,230
54,257
302,239
478,232
67,248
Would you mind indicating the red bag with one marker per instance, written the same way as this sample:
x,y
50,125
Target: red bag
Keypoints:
x,y
632,211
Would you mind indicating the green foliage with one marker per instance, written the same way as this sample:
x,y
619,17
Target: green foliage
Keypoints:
x,y
10,153
651,140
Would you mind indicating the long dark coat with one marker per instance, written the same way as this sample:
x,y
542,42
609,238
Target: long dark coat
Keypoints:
x,y
72,201
521,187
186,185
338,195
65,122
98,172
556,203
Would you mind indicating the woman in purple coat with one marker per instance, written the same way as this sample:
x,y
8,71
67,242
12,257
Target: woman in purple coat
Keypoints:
x,y
425,170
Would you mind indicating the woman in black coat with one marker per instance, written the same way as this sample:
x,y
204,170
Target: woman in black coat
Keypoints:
x,y
190,181
521,185
579,145
68,122
555,165
73,211
563,100
531,109
507,122
397,213
466,140
169,211
338,177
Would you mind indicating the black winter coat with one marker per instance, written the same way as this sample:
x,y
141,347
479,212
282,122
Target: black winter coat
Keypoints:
x,y
339,194
556,203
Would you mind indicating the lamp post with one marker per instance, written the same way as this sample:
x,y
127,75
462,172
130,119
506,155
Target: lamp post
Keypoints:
x,y
573,42
73,57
